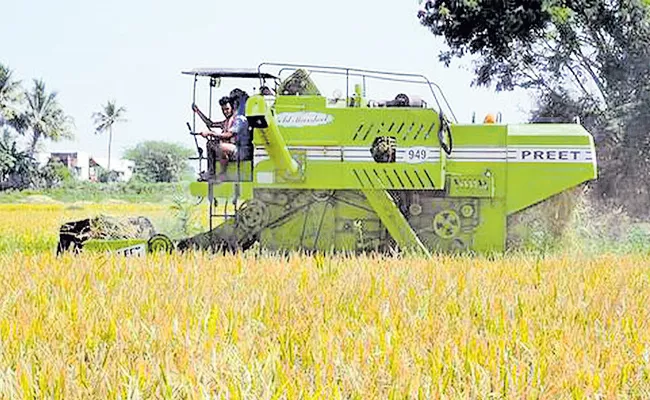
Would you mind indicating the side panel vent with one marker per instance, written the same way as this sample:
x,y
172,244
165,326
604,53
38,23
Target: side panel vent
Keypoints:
x,y
402,128
393,178
358,176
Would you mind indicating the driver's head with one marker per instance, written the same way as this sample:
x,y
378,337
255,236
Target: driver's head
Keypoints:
x,y
227,106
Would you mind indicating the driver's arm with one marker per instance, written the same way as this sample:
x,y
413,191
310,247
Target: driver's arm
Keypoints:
x,y
225,135
218,124
218,135
209,133
207,121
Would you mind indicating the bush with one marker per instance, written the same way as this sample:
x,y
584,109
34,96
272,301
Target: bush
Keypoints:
x,y
157,161
55,174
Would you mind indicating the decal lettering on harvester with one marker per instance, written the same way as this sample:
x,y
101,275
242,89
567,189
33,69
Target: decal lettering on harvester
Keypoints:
x,y
301,119
570,155
418,154
132,251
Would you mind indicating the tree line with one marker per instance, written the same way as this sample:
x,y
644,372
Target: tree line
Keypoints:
x,y
35,114
585,58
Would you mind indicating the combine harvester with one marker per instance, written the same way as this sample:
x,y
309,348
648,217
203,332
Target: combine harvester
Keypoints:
x,y
354,175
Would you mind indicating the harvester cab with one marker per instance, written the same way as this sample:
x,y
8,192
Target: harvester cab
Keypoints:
x,y
240,163
237,167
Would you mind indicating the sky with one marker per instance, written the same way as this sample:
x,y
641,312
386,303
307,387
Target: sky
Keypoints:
x,y
133,52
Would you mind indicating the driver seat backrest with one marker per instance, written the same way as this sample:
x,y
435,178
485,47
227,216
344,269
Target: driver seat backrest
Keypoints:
x,y
245,143
241,110
245,140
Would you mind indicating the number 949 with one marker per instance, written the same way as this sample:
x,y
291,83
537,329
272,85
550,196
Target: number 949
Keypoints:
x,y
417,154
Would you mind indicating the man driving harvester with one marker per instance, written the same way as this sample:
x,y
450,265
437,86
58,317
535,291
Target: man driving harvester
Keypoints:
x,y
222,145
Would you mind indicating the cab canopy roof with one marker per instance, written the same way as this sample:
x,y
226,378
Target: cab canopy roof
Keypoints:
x,y
229,73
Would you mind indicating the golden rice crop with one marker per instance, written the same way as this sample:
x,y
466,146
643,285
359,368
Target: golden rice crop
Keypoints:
x,y
259,326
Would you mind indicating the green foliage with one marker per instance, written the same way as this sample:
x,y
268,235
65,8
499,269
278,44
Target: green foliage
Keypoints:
x,y
106,176
11,97
44,117
25,173
586,58
492,29
73,191
18,170
9,154
54,174
597,47
187,216
157,161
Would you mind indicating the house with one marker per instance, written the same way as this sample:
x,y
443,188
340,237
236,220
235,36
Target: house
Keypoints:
x,y
77,162
124,168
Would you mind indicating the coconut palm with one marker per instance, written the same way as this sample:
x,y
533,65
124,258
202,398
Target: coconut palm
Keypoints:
x,y
104,121
10,96
44,117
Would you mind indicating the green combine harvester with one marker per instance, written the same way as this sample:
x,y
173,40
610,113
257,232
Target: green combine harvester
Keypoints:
x,y
354,174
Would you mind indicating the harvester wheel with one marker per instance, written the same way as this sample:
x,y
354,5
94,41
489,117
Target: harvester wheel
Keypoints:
x,y
160,243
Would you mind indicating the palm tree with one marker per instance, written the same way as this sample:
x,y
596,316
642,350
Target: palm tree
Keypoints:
x,y
10,96
104,121
44,117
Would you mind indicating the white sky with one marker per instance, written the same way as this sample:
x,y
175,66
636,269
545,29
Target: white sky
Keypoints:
x,y
134,51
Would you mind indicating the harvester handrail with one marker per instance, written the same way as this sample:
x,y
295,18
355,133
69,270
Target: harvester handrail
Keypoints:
x,y
347,71
397,80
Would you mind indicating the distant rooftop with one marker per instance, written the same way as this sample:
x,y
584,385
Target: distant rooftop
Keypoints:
x,y
229,73
117,164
